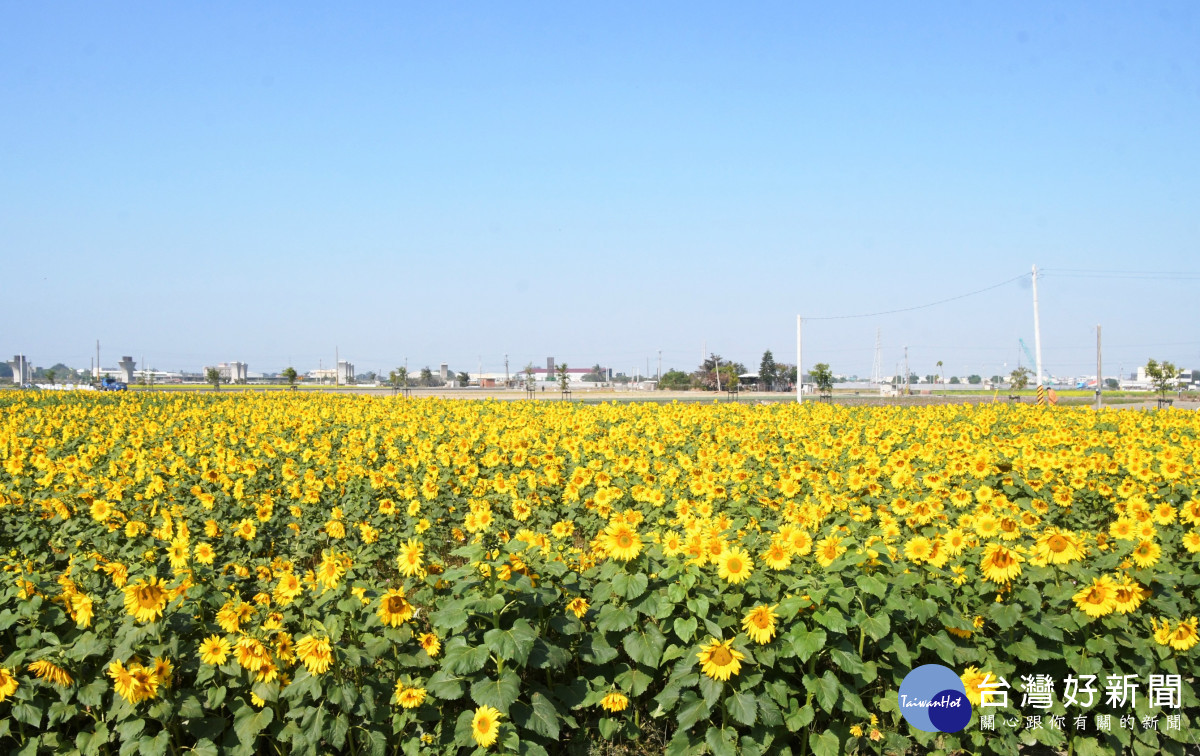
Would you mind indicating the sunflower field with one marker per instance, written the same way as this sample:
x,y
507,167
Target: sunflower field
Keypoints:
x,y
335,574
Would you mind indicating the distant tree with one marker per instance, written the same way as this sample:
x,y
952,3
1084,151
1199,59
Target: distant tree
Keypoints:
x,y
787,374
1112,384
370,376
463,379
675,380
954,380
974,380
1162,376
595,374
768,371
530,377
941,370
931,379
427,378
822,377
213,376
50,376
997,380
729,376
289,375
1020,378
399,377
564,380
706,375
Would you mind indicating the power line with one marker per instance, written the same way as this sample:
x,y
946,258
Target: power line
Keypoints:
x,y
1152,275
921,307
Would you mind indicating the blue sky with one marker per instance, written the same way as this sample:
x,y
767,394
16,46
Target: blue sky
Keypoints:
x,y
266,182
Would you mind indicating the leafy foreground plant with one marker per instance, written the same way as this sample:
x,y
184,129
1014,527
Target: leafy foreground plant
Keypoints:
x,y
319,574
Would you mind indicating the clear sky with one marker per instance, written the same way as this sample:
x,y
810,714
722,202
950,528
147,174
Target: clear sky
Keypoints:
x,y
206,182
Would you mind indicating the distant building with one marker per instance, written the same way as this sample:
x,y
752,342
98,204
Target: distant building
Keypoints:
x,y
127,365
22,371
231,372
343,374
550,373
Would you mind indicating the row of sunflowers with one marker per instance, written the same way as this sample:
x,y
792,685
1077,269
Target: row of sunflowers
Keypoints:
x,y
315,574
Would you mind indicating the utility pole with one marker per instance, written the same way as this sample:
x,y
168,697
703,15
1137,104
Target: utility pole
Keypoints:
x,y
799,363
907,384
877,365
506,371
659,366
1099,372
1037,329
718,372
97,358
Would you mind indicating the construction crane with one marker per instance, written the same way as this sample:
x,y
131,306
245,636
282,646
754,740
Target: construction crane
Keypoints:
x,y
1033,363
1029,354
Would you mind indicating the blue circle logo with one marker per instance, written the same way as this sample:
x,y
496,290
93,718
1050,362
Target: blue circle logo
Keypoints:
x,y
933,699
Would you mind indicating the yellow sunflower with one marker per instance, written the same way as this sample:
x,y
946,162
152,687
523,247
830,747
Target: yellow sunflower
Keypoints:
x,y
409,698
614,702
1129,596
1098,599
146,599
719,659
8,683
918,549
1000,564
252,654
394,608
759,623
214,650
1057,546
828,549
287,589
622,541
485,725
430,643
411,561
972,678
1146,553
1184,636
734,565
81,609
776,556
50,672
315,653
204,553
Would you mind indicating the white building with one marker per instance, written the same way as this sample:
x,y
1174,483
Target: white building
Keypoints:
x,y
231,372
22,371
342,375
